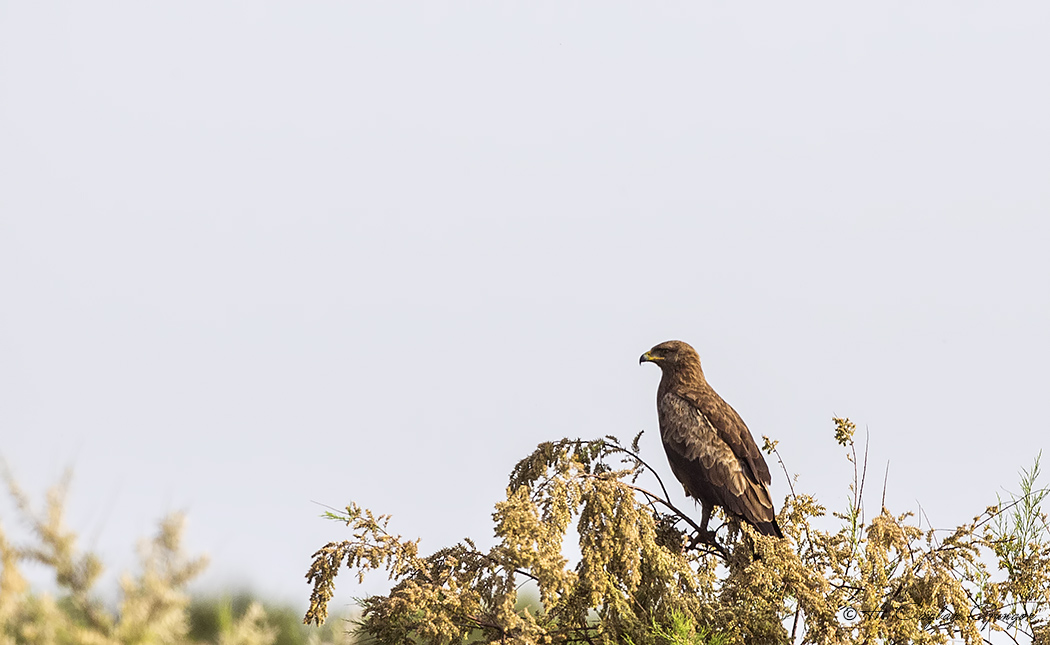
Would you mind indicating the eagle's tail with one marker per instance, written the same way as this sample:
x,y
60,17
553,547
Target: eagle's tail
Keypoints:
x,y
769,528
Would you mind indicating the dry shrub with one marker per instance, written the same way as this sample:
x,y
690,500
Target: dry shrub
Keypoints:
x,y
643,577
152,607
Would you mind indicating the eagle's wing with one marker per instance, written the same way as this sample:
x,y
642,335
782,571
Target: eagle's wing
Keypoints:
x,y
717,462
731,429
700,459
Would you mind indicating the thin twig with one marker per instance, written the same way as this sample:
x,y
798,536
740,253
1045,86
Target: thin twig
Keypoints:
x,y
885,479
633,454
864,473
676,511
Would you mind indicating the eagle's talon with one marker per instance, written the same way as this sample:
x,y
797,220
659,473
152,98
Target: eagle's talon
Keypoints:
x,y
702,537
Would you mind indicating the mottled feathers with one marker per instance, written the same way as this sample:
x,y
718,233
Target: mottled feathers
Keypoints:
x,y
711,451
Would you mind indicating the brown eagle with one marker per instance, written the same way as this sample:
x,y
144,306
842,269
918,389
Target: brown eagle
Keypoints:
x,y
710,449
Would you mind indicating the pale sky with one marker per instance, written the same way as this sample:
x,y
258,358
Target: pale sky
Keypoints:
x,y
255,256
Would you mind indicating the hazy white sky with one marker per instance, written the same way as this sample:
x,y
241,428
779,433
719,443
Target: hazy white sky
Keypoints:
x,y
257,255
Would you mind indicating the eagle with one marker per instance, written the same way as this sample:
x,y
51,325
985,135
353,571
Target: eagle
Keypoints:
x,y
711,451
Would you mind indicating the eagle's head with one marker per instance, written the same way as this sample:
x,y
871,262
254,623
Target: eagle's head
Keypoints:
x,y
671,355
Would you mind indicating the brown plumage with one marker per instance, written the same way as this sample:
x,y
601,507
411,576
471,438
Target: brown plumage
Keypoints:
x,y
710,449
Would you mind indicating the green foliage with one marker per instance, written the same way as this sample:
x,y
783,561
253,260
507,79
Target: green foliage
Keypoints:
x,y
645,576
682,630
1019,540
213,619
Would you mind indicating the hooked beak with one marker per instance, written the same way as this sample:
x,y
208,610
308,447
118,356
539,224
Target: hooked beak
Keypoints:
x,y
648,358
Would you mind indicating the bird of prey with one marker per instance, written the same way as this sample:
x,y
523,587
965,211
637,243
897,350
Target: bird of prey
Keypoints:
x,y
710,449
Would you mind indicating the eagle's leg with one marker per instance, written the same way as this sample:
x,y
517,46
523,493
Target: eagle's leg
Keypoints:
x,y
703,536
705,517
